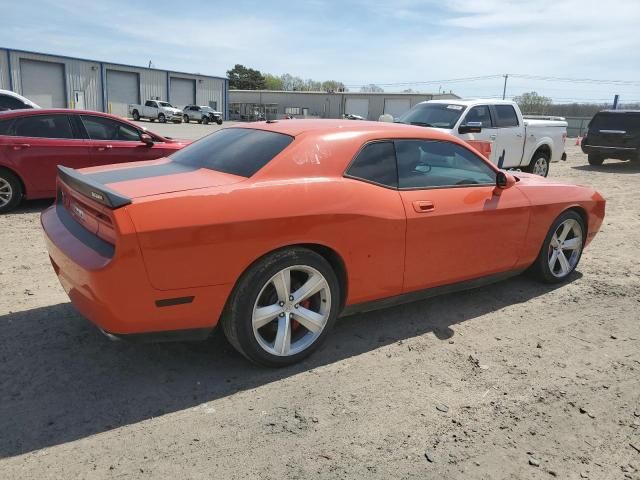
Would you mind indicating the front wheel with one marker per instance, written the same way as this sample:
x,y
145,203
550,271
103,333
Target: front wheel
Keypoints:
x,y
594,159
10,191
282,308
186,119
219,121
162,118
136,115
205,120
562,248
539,164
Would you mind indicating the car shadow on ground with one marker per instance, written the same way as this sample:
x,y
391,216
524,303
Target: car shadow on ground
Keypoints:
x,y
61,380
613,167
31,206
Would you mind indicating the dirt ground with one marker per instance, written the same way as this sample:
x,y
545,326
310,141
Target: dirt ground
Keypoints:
x,y
512,381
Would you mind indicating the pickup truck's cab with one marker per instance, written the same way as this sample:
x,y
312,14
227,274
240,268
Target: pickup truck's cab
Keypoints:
x,y
156,109
528,144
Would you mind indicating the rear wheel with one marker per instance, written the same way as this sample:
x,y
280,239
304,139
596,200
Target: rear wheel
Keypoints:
x,y
186,119
562,248
595,159
282,308
10,191
539,164
219,121
162,118
136,115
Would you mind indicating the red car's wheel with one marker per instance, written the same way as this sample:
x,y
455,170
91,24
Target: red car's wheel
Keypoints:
x,y
10,191
562,248
283,307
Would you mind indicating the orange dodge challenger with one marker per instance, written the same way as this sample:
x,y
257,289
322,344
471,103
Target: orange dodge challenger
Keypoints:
x,y
274,229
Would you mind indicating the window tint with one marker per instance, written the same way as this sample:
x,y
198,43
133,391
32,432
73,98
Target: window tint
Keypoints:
x,y
11,103
440,115
101,128
480,114
5,126
238,151
427,164
506,116
45,126
376,163
149,103
628,121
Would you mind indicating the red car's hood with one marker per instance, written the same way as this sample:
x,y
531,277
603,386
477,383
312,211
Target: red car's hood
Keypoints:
x,y
141,179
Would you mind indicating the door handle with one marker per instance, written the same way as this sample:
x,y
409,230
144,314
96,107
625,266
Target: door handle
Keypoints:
x,y
423,206
105,147
492,137
20,146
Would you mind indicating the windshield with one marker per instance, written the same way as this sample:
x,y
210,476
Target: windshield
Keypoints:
x,y
165,104
438,115
238,151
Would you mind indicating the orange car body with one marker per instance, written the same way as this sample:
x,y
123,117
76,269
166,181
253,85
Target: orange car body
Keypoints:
x,y
184,240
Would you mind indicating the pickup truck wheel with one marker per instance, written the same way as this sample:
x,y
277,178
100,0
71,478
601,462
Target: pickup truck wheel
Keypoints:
x,y
282,308
136,115
162,118
205,120
10,191
539,164
186,119
219,122
594,159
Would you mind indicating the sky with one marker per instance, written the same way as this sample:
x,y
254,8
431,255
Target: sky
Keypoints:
x,y
357,42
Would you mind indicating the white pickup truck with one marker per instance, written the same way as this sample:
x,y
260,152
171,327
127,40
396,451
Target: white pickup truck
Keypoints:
x,y
155,109
516,142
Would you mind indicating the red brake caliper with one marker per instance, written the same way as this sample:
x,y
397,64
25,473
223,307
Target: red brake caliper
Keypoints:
x,y
295,324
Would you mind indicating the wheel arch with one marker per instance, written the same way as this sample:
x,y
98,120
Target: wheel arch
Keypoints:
x,y
583,214
543,147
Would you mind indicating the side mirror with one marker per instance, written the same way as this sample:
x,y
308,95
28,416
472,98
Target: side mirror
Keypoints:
x,y
504,180
146,139
470,127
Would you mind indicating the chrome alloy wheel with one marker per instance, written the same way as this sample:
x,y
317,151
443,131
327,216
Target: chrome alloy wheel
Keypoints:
x,y
565,247
6,192
541,166
291,311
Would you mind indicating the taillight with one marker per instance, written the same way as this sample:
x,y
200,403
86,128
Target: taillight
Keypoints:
x,y
91,215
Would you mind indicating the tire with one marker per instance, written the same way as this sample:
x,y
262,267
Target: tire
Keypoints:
x,y
205,120
539,164
548,267
594,159
162,118
219,122
11,191
186,119
136,115
257,289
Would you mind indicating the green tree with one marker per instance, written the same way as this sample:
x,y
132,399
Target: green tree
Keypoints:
x,y
532,103
333,86
243,78
371,88
273,82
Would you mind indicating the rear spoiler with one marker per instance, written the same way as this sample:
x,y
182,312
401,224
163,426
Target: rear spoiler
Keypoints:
x,y
90,188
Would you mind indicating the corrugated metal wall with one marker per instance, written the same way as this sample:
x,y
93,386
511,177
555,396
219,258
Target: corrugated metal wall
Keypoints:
x,y
88,76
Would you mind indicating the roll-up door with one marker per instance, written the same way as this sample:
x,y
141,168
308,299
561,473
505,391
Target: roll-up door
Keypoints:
x,y
183,92
123,88
357,106
43,83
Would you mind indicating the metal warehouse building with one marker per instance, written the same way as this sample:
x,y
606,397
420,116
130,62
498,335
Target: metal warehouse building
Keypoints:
x,y
64,82
253,104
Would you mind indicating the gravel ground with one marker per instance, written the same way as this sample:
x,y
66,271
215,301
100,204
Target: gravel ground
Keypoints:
x,y
515,380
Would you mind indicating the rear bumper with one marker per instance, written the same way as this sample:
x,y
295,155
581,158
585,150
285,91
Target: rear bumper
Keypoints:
x,y
114,293
613,152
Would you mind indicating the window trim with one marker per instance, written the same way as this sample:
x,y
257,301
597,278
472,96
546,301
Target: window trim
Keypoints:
x,y
362,147
88,137
345,174
69,117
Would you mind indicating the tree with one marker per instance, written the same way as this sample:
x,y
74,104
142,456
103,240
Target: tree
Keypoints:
x,y
273,82
531,103
243,78
371,88
331,86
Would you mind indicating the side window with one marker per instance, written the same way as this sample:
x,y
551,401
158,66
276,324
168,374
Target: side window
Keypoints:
x,y
506,116
11,103
376,163
480,114
430,164
101,128
44,126
5,127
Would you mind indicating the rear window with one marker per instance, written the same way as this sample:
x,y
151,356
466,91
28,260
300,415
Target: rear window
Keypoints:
x,y
238,151
507,116
629,122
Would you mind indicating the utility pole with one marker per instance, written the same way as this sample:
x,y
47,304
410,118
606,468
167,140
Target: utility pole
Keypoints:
x,y
615,101
504,90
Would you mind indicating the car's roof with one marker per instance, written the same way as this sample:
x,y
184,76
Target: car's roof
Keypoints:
x,y
9,93
470,101
295,127
618,111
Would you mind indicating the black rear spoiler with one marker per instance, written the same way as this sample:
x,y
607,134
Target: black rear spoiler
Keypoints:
x,y
92,189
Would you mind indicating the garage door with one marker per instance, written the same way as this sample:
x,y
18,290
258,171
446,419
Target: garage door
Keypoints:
x,y
357,106
43,83
396,106
123,88
183,92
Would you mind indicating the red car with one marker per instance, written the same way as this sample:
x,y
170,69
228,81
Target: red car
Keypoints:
x,y
274,229
34,142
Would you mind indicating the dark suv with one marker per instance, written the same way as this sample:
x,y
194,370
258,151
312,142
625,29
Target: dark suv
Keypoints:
x,y
613,134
